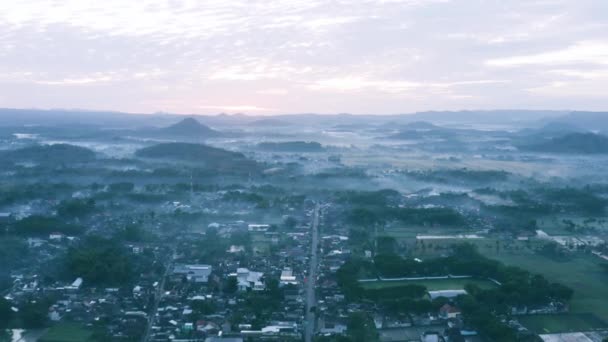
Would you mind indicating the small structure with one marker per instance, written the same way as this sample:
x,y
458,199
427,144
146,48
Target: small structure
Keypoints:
x,y
76,284
258,227
448,311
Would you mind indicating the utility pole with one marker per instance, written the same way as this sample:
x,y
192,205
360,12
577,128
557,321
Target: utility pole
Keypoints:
x,y
191,187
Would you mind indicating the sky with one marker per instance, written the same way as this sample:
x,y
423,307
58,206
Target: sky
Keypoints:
x,y
303,56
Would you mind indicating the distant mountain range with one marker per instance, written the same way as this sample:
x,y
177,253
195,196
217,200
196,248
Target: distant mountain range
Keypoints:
x,y
592,121
118,120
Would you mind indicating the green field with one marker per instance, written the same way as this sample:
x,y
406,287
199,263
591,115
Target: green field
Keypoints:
x,y
582,273
66,332
432,285
555,324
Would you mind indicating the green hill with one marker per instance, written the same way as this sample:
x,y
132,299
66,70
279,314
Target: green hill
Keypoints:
x,y
50,154
210,157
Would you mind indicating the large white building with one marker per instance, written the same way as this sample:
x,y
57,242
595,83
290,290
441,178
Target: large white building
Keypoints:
x,y
196,273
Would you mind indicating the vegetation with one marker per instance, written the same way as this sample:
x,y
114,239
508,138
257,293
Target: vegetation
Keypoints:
x,y
210,157
291,146
67,332
50,154
75,208
361,328
519,288
37,225
586,143
6,314
100,262
463,175
413,216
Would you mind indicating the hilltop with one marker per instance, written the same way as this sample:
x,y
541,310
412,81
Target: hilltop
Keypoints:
x,y
192,128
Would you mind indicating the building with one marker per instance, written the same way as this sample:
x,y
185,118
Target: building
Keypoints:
x,y
430,337
287,277
195,273
448,311
258,227
247,280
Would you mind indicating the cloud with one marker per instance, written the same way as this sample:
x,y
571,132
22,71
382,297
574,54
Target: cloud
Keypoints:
x,y
587,52
378,56
242,108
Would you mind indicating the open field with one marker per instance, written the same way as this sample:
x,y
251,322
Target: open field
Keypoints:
x,y
66,332
432,285
583,274
555,324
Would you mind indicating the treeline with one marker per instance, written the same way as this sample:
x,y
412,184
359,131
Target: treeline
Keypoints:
x,y
213,158
38,225
519,288
49,154
100,262
463,175
414,216
541,201
291,146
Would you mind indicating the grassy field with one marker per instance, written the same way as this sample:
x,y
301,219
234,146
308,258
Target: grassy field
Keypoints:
x,y
582,273
66,332
432,285
555,324
260,243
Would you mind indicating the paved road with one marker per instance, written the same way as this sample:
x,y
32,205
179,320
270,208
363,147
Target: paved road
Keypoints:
x,y
311,300
157,297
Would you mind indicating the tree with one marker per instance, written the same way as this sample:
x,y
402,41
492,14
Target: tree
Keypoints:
x,y
290,222
386,245
76,208
231,285
100,261
34,315
361,328
6,313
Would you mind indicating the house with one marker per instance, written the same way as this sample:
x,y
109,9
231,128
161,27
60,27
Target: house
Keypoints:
x,y
236,249
287,277
448,311
258,227
247,279
430,337
224,339
196,273
55,236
